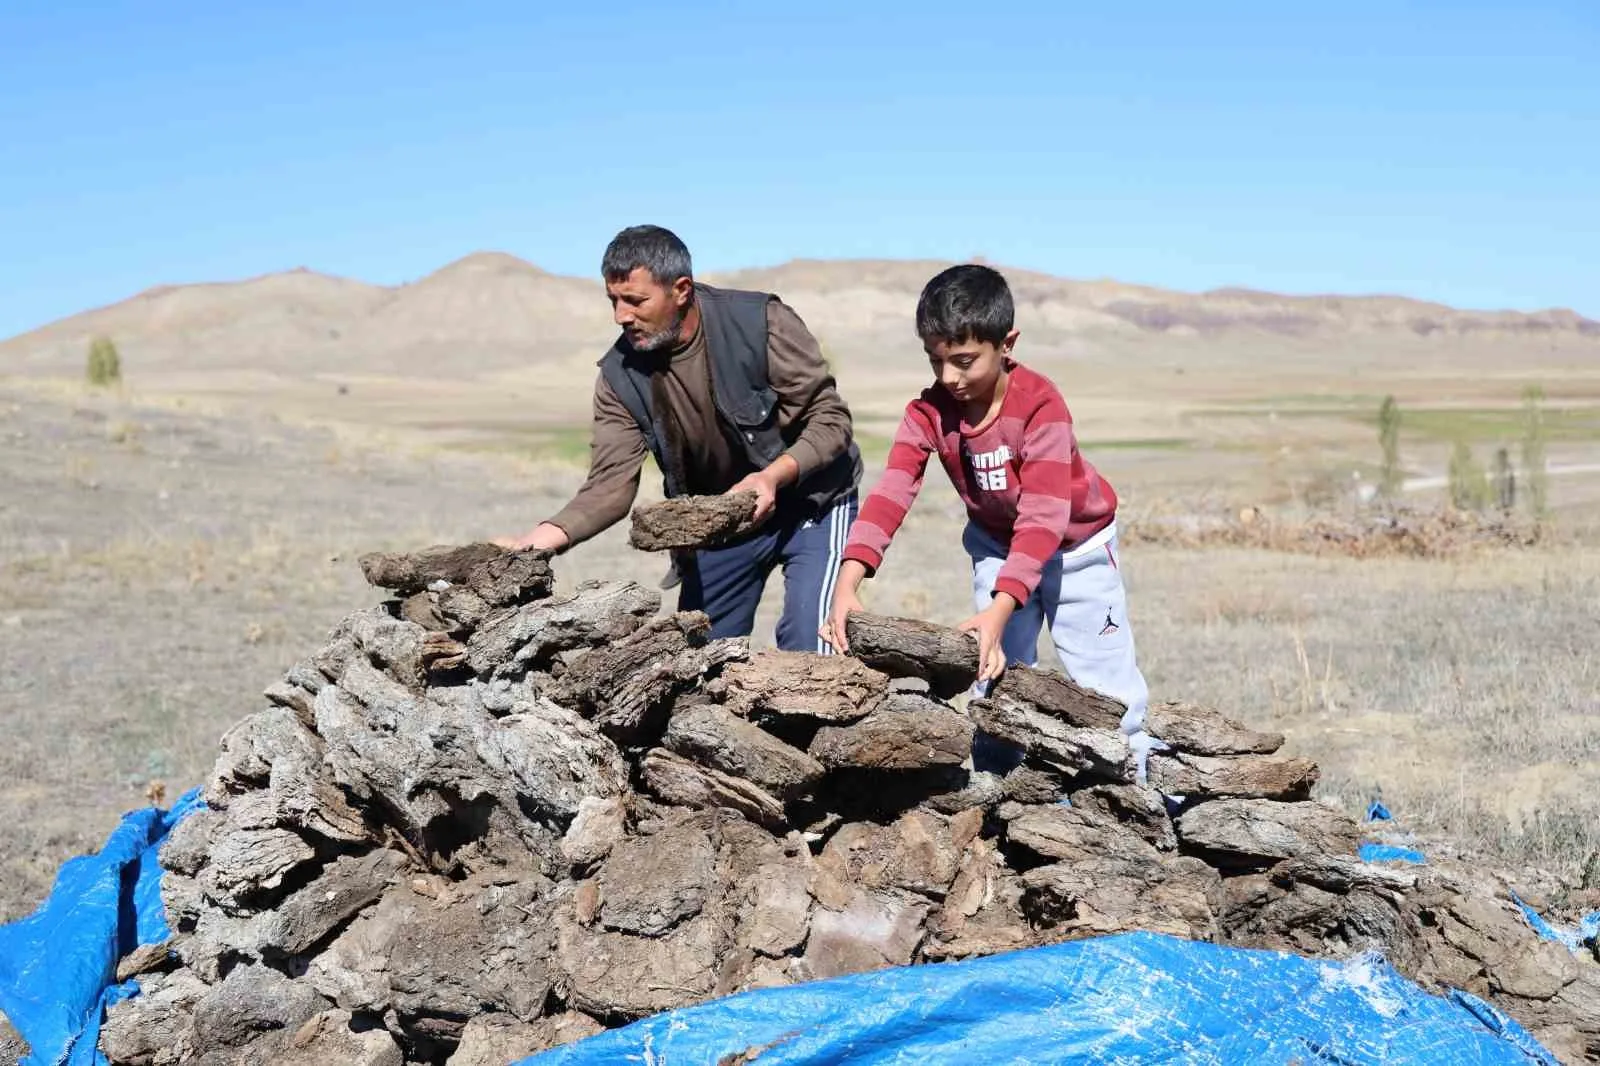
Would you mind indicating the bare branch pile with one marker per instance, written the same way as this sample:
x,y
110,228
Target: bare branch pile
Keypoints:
x,y
1360,533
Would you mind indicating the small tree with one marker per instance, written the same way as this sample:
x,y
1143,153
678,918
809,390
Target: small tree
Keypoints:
x,y
1469,485
1505,480
1389,440
1534,433
829,358
105,365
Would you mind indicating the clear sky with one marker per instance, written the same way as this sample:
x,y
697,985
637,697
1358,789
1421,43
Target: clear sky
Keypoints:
x,y
1448,150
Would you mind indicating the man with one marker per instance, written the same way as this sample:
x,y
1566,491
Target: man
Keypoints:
x,y
729,392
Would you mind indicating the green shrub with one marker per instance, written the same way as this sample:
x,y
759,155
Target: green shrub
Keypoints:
x,y
1534,435
1505,481
1389,440
1469,485
105,365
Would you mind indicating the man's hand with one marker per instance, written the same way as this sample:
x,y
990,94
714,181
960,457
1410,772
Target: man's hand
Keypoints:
x,y
766,483
988,625
545,537
766,493
845,600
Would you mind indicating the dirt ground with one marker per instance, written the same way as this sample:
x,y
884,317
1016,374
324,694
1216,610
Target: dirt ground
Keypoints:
x,y
159,567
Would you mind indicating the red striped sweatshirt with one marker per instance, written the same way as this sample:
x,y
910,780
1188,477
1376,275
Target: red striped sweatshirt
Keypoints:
x,y
1022,478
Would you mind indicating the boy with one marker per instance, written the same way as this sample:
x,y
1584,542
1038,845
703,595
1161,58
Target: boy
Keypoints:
x,y
1041,525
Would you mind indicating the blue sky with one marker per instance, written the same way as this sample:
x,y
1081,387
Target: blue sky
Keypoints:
x,y
1444,150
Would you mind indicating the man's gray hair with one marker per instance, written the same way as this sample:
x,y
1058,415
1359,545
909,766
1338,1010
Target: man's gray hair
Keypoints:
x,y
655,248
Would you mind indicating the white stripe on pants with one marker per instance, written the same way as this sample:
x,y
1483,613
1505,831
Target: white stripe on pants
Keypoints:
x,y
839,518
1080,599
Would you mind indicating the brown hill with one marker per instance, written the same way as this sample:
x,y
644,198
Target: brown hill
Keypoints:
x,y
1060,304
491,340
492,309
262,320
485,311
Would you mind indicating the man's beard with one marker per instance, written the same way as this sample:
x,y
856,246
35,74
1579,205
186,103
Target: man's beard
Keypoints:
x,y
663,339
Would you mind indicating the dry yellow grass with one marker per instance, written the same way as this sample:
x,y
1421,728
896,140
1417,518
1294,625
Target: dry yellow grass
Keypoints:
x,y
1463,689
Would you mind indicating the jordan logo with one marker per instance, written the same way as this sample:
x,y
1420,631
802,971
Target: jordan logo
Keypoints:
x,y
1110,626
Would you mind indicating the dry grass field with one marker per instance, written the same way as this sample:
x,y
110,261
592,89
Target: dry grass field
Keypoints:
x,y
167,549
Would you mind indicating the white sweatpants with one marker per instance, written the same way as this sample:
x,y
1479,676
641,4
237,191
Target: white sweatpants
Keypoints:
x,y
1080,599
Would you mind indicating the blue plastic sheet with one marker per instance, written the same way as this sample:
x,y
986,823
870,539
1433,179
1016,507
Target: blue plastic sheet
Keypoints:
x,y
1387,848
1391,853
58,965
1133,998
1575,937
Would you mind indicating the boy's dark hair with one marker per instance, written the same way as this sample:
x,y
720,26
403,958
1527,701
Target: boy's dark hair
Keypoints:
x,y
967,302
655,248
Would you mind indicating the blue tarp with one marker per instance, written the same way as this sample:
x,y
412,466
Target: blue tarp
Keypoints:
x,y
1576,937
1376,853
1132,998
1388,850
58,966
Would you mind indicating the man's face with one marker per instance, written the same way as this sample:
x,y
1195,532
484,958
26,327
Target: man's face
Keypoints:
x,y
650,314
969,369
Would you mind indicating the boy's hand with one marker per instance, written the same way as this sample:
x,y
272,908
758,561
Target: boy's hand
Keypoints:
x,y
988,625
845,600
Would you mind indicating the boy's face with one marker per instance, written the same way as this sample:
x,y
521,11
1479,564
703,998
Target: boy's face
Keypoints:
x,y
969,370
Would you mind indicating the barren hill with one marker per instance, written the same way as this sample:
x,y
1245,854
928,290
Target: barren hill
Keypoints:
x,y
259,321
490,310
1062,305
491,340
478,313
482,312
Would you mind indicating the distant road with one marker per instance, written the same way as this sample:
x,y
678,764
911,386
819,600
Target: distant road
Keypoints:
x,y
1417,484
1439,481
